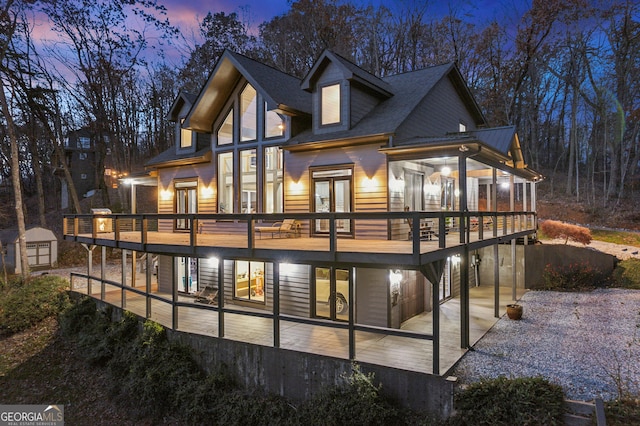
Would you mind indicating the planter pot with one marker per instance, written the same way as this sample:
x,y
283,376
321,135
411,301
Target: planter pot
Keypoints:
x,y
514,311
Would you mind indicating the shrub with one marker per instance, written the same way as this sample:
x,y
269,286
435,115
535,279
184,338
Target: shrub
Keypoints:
x,y
556,229
23,304
622,412
356,402
576,276
627,274
502,401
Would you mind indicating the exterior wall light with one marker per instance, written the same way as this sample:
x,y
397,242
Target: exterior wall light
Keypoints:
x,y
166,194
369,184
206,192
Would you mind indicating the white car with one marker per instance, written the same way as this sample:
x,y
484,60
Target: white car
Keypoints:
x,y
323,288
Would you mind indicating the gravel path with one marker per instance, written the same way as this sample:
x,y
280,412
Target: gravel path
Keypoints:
x,y
589,343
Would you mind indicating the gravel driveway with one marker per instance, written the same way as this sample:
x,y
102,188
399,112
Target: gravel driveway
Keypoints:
x,y
589,343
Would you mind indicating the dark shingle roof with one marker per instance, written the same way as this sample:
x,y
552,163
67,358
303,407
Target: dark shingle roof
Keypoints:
x,y
283,89
498,138
170,156
408,89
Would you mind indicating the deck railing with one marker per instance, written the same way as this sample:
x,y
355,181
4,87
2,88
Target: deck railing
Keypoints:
x,y
469,226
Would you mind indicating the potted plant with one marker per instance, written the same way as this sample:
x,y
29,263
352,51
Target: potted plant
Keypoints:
x,y
514,311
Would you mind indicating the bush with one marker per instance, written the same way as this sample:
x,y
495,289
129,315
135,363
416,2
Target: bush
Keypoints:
x,y
577,276
627,274
356,402
622,412
23,304
502,401
556,229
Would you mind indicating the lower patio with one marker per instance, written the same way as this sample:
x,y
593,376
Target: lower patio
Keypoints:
x,y
410,348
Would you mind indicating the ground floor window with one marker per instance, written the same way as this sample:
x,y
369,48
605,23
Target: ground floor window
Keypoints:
x,y
332,293
249,281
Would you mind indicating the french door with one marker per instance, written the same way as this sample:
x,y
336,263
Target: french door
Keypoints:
x,y
332,193
186,202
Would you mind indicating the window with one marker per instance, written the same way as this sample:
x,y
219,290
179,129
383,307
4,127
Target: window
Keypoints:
x,y
248,180
462,127
83,176
273,194
82,156
186,136
273,124
249,281
248,114
225,132
85,142
225,182
330,104
186,202
187,271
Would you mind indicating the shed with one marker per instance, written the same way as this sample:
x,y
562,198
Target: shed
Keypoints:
x,y
42,248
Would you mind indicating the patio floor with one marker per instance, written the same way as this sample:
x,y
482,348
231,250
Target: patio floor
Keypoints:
x,y
377,348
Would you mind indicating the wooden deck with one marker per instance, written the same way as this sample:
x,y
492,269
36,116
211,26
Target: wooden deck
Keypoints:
x,y
321,338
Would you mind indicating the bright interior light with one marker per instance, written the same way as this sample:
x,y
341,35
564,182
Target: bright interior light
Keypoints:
x,y
445,171
504,185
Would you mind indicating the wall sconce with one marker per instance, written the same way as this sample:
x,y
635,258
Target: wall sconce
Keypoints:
x,y
286,269
206,192
456,192
213,261
166,194
455,260
369,184
504,185
432,189
396,184
296,187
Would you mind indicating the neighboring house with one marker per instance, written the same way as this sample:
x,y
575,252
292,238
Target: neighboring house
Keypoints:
x,y
398,189
82,154
42,249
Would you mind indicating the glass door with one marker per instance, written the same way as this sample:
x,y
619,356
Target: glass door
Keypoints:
x,y
332,193
186,202
187,274
445,281
332,293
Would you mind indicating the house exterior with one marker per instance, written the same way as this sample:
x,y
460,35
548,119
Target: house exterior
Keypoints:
x,y
402,196
83,155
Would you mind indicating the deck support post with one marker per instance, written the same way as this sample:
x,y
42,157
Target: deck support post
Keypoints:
x,y
149,271
123,281
462,187
464,298
103,262
276,304
220,297
496,281
352,323
174,298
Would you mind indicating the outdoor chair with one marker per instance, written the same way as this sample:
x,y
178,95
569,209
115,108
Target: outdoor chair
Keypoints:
x,y
208,295
426,230
288,228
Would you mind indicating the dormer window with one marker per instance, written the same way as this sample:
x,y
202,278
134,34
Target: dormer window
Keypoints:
x,y
330,104
248,114
273,124
225,132
462,127
186,136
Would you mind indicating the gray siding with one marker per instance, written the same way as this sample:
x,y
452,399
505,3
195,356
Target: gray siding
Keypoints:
x,y
440,112
372,297
165,274
294,290
208,274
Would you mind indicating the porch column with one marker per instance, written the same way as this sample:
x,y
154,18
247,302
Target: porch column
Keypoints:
x,y
174,295
462,188
525,217
352,311
512,202
494,200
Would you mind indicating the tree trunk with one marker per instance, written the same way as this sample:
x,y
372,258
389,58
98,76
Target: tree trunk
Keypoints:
x,y
17,186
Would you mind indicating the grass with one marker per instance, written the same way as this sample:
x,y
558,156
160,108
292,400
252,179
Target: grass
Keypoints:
x,y
617,237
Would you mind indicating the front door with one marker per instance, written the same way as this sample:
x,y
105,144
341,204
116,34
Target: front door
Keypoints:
x,y
332,193
332,293
186,202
